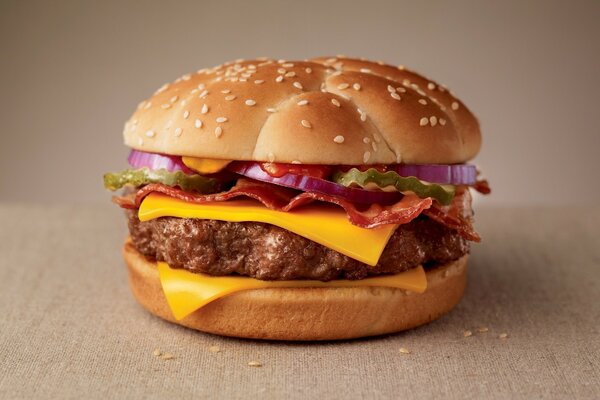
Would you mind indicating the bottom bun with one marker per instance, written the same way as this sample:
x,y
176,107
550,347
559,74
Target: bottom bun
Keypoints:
x,y
306,313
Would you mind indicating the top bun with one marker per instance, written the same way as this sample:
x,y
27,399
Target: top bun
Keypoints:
x,y
321,111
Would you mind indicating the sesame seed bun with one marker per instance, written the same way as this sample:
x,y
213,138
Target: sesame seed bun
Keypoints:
x,y
306,313
321,111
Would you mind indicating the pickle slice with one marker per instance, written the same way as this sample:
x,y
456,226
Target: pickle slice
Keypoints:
x,y
384,180
144,176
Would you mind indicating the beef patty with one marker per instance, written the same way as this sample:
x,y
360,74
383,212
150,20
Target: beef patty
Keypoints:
x,y
268,252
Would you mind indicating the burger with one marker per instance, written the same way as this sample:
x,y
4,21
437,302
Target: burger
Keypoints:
x,y
299,200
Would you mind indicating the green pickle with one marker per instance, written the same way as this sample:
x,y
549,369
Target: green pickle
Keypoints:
x,y
144,176
442,193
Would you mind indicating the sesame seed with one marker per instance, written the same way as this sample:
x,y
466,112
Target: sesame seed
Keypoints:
x,y
186,114
202,86
203,94
259,81
374,146
430,86
290,74
503,336
401,89
178,132
303,102
454,105
433,120
230,97
165,106
225,91
401,67
391,89
281,71
467,333
214,349
162,88
271,157
377,138
156,352
423,101
483,329
395,96
424,121
148,105
336,73
366,140
365,70
287,65
338,139
298,85
168,356
308,70
306,124
250,102
404,350
140,141
174,99
252,66
356,86
279,79
335,102
366,156
198,124
204,109
218,131
150,134
221,119
296,162
254,364
271,110
343,86
442,121
363,115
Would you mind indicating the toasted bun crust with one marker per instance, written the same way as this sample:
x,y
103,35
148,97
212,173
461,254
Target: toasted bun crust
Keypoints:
x,y
306,313
357,112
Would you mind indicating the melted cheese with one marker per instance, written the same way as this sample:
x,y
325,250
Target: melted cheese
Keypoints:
x,y
325,224
205,165
186,292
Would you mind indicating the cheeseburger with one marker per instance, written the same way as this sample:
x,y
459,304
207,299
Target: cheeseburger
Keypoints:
x,y
299,200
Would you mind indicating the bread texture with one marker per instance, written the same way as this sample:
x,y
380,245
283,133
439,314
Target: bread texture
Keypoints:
x,y
330,110
306,313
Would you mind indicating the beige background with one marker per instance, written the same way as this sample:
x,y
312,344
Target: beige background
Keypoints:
x,y
71,72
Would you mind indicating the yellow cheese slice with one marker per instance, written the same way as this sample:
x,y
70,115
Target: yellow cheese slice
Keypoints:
x,y
325,224
205,165
186,292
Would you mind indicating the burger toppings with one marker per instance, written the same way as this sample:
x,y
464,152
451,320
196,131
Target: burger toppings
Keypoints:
x,y
141,159
371,197
283,199
372,178
205,165
309,183
144,176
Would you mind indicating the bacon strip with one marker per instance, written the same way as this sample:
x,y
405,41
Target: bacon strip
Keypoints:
x,y
458,215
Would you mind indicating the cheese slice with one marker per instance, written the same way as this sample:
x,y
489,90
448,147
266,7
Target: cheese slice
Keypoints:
x,y
205,165
325,224
187,292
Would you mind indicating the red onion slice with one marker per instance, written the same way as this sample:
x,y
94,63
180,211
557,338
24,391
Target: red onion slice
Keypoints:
x,y
312,184
154,161
458,174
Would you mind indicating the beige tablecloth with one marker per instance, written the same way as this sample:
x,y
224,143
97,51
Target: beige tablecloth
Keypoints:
x,y
70,329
